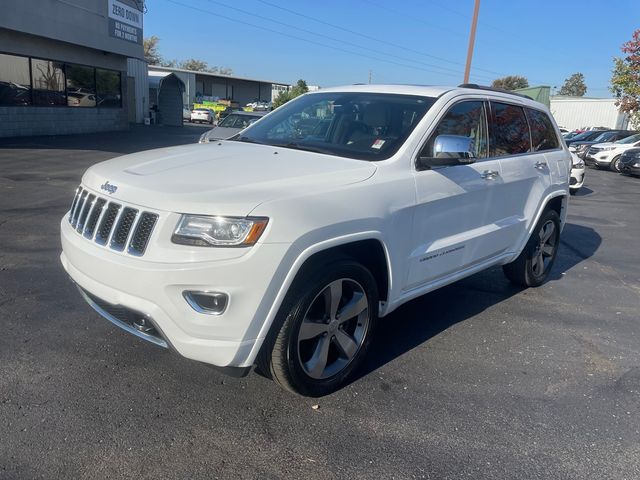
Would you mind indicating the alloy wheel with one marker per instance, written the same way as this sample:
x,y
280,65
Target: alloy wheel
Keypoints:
x,y
545,249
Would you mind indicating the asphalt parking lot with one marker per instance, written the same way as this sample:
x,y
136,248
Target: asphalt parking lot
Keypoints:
x,y
477,380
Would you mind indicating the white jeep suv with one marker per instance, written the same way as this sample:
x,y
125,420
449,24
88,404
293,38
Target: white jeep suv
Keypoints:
x,y
284,245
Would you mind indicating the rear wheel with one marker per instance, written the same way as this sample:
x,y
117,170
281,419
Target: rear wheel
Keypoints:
x,y
533,265
325,327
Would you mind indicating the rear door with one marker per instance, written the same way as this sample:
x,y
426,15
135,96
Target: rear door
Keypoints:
x,y
524,140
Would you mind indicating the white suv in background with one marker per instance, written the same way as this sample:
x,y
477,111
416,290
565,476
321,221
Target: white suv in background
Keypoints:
x,y
607,155
284,245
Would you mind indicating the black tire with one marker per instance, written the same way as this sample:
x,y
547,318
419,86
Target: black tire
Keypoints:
x,y
615,164
284,352
525,270
573,191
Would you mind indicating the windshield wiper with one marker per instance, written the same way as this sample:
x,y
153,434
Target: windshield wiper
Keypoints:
x,y
297,146
246,140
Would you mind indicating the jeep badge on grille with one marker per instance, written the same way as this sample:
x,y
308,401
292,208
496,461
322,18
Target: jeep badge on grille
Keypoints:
x,y
108,187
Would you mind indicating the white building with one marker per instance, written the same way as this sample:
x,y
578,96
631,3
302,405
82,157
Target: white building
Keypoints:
x,y
579,112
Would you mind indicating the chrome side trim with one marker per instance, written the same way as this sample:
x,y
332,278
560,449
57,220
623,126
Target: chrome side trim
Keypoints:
x,y
149,338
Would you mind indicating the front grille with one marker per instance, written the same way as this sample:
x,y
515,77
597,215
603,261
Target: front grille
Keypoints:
x,y
111,224
592,151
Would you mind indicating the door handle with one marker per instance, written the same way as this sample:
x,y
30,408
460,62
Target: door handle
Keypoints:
x,y
540,165
490,174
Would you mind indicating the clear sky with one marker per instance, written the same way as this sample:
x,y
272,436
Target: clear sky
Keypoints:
x,y
336,42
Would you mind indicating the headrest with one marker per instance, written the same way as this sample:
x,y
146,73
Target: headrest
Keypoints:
x,y
375,115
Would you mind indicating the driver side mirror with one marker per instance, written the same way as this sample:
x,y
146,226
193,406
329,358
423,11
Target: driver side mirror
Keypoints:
x,y
448,150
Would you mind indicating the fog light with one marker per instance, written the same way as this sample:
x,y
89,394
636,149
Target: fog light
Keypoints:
x,y
212,303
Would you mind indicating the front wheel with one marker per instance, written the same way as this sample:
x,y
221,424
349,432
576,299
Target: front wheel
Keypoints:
x,y
325,328
533,265
615,164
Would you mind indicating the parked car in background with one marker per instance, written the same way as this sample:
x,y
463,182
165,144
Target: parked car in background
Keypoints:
x,y
630,162
580,148
230,125
577,174
202,115
607,155
583,136
223,113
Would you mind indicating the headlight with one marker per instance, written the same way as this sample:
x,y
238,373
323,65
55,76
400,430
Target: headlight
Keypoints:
x,y
578,165
606,149
204,138
218,231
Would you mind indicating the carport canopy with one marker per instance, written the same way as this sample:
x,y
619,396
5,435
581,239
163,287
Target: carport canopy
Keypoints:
x,y
166,92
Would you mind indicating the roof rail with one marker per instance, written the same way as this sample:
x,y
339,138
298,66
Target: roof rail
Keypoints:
x,y
492,89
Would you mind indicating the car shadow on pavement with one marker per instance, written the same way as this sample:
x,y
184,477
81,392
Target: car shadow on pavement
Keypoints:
x,y
427,316
583,192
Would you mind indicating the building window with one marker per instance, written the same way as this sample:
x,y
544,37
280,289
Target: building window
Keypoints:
x,y
47,79
108,87
81,86
15,84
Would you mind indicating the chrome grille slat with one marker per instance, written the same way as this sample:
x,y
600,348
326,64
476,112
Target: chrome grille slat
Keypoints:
x,y
79,207
142,233
84,213
108,221
94,217
123,228
110,224
74,203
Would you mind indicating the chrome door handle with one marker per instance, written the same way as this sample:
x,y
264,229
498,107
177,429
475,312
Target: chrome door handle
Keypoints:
x,y
490,174
540,165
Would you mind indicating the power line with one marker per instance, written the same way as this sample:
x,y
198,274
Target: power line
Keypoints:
x,y
368,37
345,42
219,15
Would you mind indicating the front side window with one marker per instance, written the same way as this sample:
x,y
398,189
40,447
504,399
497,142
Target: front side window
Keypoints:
x,y
48,82
366,126
15,84
465,119
543,135
81,86
238,121
510,130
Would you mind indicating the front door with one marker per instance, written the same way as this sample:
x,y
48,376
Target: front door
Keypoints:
x,y
456,223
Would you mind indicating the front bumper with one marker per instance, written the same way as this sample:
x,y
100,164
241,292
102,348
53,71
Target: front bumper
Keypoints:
x,y
154,290
577,178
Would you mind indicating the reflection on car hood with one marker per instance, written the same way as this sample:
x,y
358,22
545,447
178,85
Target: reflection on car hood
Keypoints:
x,y
221,133
221,178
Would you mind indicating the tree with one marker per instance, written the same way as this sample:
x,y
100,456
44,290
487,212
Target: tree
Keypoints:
x,y
625,81
195,65
151,52
574,86
510,82
283,97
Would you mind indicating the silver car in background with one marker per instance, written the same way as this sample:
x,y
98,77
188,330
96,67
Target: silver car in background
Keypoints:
x,y
233,123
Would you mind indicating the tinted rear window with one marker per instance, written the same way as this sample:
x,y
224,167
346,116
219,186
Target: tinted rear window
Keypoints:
x,y
543,135
510,130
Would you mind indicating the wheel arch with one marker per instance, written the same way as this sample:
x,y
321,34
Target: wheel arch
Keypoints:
x,y
367,248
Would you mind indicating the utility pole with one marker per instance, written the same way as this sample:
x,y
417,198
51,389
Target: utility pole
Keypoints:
x,y
369,77
472,39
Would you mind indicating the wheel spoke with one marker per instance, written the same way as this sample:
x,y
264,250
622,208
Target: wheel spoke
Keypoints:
x,y
355,306
318,361
547,232
547,250
335,295
346,344
310,329
537,264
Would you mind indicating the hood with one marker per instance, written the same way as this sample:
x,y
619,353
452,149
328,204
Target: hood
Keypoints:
x,y
221,133
221,178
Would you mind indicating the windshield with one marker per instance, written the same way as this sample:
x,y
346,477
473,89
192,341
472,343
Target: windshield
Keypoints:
x,y
605,137
366,126
586,135
238,121
631,139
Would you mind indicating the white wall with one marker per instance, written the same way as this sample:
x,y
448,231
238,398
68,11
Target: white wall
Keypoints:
x,y
577,112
